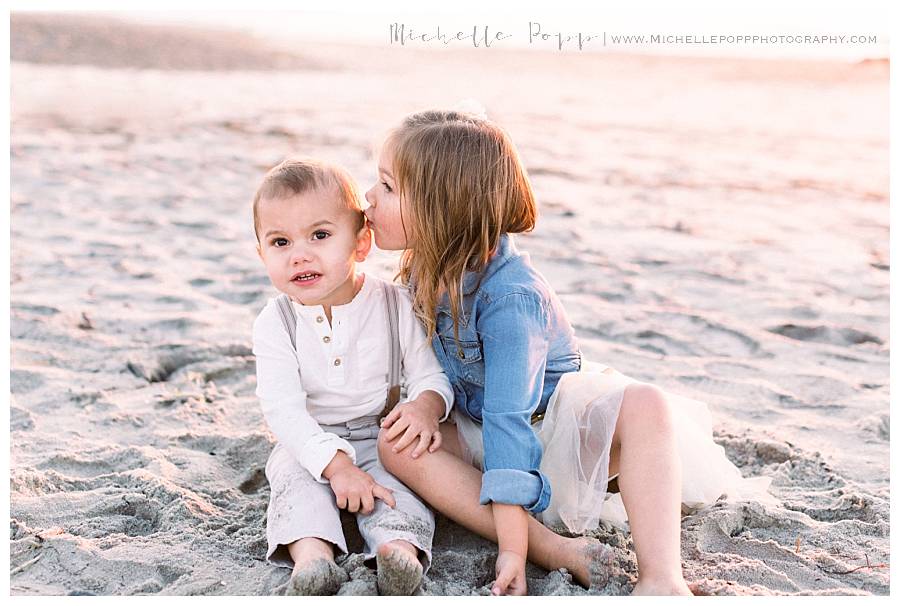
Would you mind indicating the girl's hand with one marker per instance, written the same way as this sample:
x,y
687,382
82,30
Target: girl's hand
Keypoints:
x,y
510,572
417,418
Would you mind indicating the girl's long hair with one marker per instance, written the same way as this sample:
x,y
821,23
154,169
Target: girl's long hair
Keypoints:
x,y
461,177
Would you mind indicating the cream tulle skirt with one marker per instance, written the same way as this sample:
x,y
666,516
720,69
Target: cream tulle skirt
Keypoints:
x,y
576,433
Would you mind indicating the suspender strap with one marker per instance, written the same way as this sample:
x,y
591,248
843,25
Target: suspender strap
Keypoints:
x,y
393,315
288,318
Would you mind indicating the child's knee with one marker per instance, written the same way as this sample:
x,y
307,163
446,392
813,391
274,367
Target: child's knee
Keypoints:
x,y
648,403
389,459
399,464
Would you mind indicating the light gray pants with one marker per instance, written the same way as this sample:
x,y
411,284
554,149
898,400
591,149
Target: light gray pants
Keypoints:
x,y
301,507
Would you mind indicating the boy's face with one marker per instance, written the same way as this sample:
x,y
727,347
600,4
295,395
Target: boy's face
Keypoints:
x,y
311,235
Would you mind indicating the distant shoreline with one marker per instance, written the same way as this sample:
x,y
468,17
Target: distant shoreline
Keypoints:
x,y
108,42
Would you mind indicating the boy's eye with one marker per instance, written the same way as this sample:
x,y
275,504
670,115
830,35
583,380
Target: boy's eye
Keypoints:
x,y
278,242
320,235
387,187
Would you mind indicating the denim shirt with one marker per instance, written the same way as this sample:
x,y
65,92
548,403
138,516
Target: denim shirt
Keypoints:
x,y
515,342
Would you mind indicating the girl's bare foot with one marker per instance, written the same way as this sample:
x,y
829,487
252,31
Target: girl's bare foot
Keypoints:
x,y
399,569
589,561
662,587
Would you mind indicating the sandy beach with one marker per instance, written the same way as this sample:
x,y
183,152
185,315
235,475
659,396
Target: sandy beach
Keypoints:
x,y
718,227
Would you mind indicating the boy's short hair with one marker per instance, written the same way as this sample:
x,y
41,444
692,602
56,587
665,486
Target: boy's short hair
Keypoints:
x,y
295,176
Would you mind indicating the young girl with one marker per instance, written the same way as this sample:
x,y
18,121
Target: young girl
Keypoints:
x,y
547,428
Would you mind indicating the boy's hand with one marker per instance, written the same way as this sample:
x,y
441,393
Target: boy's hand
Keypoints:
x,y
354,489
417,418
510,572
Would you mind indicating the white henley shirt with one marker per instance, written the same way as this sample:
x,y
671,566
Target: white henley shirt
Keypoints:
x,y
344,370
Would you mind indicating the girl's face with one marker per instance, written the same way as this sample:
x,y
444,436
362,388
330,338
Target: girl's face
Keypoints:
x,y
386,213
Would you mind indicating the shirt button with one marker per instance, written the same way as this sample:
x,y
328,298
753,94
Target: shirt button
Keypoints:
x,y
462,356
337,362
320,319
326,339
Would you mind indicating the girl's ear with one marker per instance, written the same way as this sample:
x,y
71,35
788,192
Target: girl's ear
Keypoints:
x,y
363,243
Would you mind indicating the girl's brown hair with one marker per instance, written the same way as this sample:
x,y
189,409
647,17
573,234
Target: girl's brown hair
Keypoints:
x,y
462,179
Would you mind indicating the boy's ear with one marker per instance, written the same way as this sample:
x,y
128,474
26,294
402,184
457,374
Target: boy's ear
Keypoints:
x,y
259,252
363,243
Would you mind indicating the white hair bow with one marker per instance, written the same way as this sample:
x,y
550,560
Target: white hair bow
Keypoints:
x,y
471,106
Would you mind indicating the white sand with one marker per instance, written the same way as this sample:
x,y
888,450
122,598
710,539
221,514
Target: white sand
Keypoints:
x,y
717,227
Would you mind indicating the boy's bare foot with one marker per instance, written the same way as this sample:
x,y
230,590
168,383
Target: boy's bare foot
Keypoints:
x,y
663,587
399,569
315,572
307,550
319,577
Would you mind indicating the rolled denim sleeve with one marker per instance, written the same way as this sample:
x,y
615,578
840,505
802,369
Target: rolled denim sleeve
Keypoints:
x,y
515,343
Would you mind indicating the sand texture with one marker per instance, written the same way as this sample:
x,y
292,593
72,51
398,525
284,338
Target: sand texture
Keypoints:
x,y
716,227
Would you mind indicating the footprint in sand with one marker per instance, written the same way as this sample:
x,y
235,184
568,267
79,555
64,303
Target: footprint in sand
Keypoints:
x,y
825,334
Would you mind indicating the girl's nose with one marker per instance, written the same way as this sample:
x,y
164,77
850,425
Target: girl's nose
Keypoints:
x,y
369,197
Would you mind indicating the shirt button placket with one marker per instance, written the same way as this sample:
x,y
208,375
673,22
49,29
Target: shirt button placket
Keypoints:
x,y
337,353
326,338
